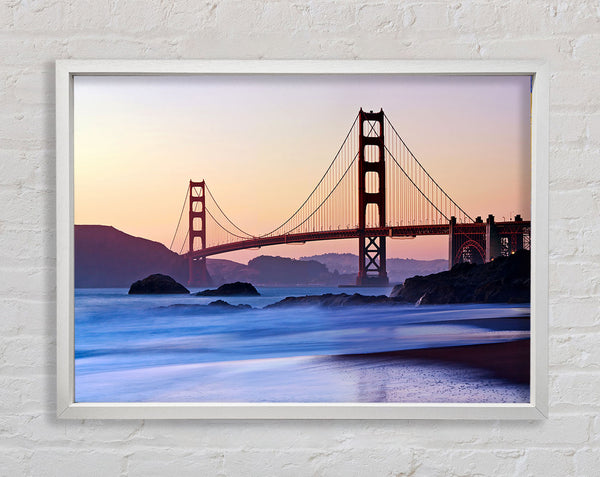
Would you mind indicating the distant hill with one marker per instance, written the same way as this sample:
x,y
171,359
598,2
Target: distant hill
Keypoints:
x,y
288,271
108,258
399,269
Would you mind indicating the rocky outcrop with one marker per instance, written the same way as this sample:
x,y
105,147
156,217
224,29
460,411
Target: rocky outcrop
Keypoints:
x,y
193,309
223,305
331,300
157,284
504,280
232,289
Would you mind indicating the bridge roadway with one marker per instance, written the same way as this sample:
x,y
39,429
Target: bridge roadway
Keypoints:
x,y
392,231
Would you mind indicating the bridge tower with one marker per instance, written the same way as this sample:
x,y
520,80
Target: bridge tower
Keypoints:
x,y
371,160
198,274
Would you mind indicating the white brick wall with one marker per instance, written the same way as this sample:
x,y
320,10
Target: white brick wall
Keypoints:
x,y
35,33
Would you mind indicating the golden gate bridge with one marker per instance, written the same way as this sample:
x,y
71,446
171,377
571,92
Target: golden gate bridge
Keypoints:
x,y
374,188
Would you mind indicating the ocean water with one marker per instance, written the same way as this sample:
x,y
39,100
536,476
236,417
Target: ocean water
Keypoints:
x,y
135,348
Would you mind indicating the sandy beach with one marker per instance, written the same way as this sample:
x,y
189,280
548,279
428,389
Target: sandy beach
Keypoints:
x,y
474,374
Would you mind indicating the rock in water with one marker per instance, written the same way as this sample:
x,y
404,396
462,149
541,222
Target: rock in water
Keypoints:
x,y
232,289
223,305
157,284
330,300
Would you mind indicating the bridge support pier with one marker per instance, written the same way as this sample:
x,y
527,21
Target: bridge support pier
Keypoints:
x,y
493,247
197,272
519,243
371,262
371,160
453,243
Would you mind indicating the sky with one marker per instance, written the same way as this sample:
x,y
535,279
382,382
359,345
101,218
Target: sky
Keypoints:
x,y
262,142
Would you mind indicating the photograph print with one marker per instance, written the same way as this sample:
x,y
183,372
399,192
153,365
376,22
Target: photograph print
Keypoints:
x,y
302,238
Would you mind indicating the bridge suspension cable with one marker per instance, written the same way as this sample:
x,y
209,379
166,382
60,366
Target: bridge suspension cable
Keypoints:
x,y
308,214
184,242
185,199
415,185
224,228
413,197
316,194
326,198
420,174
247,235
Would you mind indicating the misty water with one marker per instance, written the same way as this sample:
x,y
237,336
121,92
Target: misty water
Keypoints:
x,y
133,348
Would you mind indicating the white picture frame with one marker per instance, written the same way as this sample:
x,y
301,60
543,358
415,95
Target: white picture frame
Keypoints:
x,y
537,408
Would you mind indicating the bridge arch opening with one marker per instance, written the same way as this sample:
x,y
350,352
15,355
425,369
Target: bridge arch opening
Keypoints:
x,y
372,182
372,128
197,243
371,153
372,215
197,223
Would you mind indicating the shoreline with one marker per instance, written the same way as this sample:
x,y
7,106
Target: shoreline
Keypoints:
x,y
458,374
508,360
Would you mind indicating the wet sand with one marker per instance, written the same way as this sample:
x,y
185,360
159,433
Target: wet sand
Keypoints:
x,y
491,373
510,360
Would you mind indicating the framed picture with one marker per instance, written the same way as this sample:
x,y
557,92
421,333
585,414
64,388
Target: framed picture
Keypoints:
x,y
302,239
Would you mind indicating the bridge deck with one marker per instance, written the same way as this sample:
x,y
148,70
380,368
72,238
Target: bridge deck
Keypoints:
x,y
397,231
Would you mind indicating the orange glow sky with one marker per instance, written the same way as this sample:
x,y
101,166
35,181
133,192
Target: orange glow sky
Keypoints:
x,y
262,142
